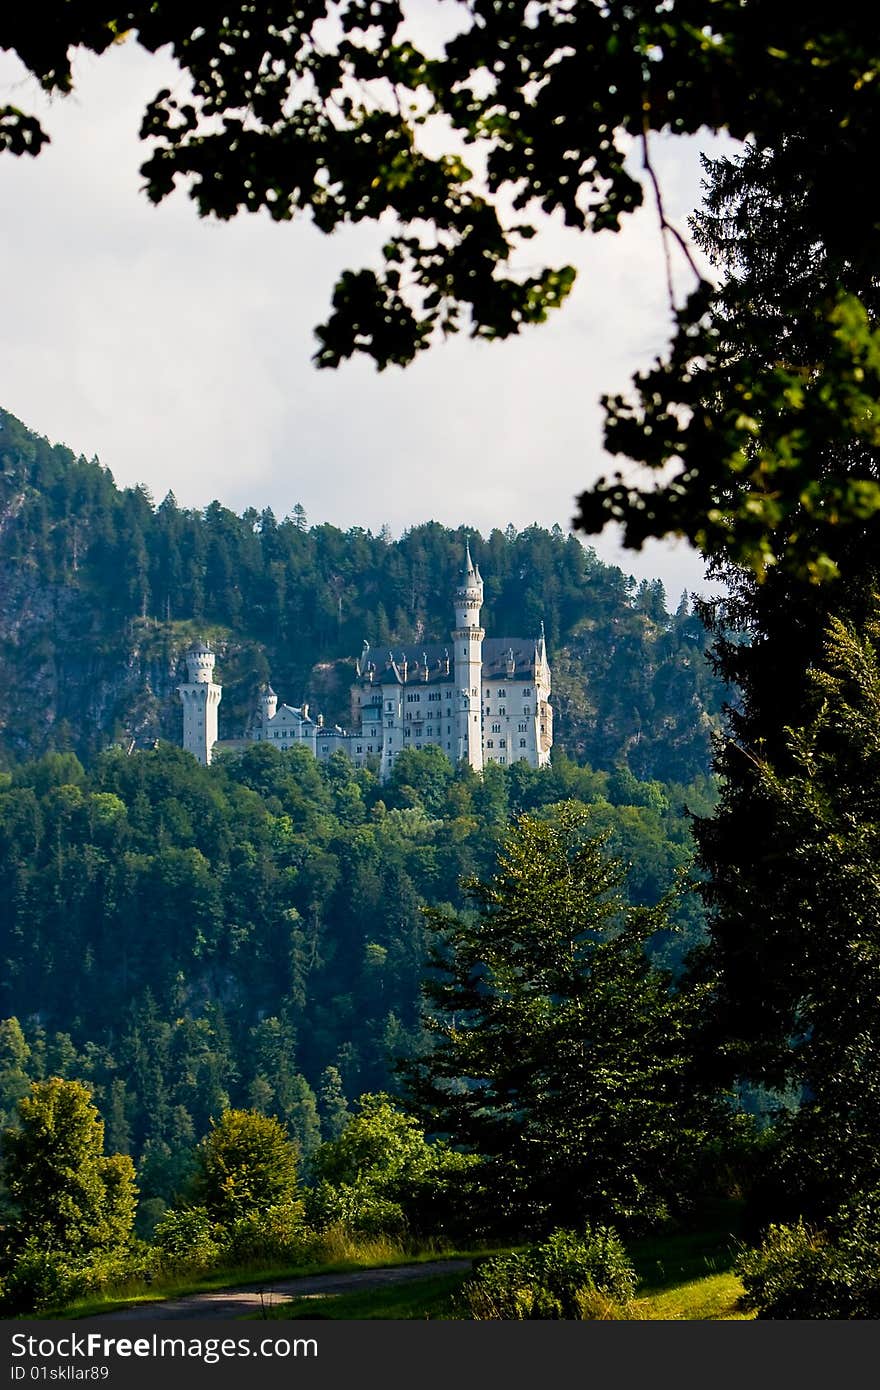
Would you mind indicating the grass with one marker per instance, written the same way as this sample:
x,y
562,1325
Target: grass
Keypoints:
x,y
686,1275
337,1256
683,1275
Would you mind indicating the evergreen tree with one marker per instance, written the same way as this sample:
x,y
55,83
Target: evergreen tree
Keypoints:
x,y
561,1055
811,951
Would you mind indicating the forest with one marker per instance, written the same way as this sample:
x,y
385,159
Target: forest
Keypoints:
x,y
105,590
603,1001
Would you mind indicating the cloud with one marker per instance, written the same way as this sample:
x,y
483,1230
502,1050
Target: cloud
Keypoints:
x,y
179,350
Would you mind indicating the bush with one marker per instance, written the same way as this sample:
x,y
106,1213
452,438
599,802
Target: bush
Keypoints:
x,y
357,1206
41,1280
566,1276
187,1237
278,1233
799,1272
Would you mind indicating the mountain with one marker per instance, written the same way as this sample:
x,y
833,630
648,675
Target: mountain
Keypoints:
x,y
101,591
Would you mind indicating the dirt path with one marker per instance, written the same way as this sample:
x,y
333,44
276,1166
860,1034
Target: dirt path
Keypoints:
x,y
250,1298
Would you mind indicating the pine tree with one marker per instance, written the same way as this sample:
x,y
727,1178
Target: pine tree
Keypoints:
x,y
561,1054
800,933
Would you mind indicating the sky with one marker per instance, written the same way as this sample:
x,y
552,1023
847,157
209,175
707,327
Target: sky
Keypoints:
x,y
178,350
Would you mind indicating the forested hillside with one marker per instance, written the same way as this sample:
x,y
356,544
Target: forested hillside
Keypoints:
x,y
186,938
100,592
250,933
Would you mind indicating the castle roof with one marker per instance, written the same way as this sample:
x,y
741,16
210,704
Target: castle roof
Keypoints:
x,y
497,652
426,663
282,716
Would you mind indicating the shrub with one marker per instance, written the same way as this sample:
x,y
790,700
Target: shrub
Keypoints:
x,y
566,1276
799,1272
40,1280
278,1233
187,1236
358,1206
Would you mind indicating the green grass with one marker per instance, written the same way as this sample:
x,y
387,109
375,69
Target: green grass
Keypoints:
x,y
686,1275
714,1298
171,1286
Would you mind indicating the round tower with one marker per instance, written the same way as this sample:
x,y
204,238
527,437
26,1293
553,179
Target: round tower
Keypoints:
x,y
268,704
468,637
200,697
200,664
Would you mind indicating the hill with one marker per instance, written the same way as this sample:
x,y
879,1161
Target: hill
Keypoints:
x,y
101,591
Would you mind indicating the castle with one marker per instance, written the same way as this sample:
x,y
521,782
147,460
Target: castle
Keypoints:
x,y
485,700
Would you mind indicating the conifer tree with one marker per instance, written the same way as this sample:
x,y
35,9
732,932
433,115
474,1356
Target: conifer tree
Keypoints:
x,y
561,1054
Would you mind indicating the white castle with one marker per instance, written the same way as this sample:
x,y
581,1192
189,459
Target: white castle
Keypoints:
x,y
484,700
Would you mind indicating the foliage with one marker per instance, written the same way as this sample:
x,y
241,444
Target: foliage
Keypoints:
x,y
568,1275
799,1272
798,939
67,1196
137,583
561,1054
246,1163
334,128
39,1280
275,1232
187,1235
382,1175
209,946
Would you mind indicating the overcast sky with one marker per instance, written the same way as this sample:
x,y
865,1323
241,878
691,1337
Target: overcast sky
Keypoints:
x,y
179,351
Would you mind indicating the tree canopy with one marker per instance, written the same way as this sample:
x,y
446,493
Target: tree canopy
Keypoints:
x,y
561,1055
67,1195
327,110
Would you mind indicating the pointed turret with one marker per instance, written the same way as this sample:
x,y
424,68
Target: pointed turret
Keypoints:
x,y
468,656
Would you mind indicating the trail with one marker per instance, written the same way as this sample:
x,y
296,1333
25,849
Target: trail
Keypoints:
x,y
251,1298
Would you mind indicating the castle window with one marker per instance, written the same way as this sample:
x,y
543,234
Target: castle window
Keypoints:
x,y
390,724
490,743
522,743
369,747
527,690
522,728
359,749
496,728
502,694
527,709
502,759
389,705
502,743
406,733
501,709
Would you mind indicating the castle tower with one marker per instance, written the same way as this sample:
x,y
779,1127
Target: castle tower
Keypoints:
x,y
468,657
268,707
200,697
